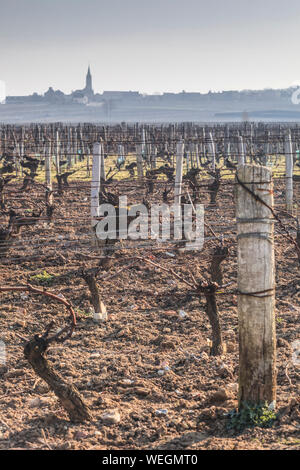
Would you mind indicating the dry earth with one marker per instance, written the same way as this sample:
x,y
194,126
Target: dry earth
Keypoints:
x,y
117,365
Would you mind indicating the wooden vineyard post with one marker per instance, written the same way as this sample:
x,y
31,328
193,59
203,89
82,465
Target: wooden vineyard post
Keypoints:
x,y
289,173
57,148
191,155
212,150
22,148
298,215
153,156
179,170
251,150
48,170
3,141
267,148
88,160
70,148
145,147
95,188
188,160
226,144
298,202
256,286
81,143
102,165
197,156
139,161
241,155
75,146
15,151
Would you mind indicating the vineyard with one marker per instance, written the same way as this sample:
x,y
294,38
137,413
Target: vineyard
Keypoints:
x,y
143,343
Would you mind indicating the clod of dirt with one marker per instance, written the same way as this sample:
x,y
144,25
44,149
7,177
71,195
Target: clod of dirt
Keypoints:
x,y
168,345
142,392
126,382
39,402
231,347
233,388
225,372
294,405
282,343
220,396
111,417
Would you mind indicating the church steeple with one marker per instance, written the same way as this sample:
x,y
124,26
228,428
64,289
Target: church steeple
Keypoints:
x,y
88,82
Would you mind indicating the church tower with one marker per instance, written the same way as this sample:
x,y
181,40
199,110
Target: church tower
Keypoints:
x,y
88,83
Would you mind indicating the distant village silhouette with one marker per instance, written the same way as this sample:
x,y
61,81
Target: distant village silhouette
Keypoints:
x,y
84,96
267,104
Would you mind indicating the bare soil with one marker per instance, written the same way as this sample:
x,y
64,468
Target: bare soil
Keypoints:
x,y
116,365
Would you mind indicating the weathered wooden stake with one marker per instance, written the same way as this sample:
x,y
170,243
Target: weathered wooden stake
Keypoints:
x,y
96,184
179,170
70,148
289,173
212,150
102,166
256,286
57,151
241,155
139,161
48,171
153,156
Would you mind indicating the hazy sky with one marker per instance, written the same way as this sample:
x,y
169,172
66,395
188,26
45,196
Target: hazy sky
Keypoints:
x,y
149,45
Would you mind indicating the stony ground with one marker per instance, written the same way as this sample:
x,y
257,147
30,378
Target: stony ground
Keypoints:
x,y
147,365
